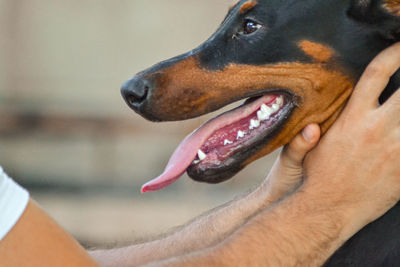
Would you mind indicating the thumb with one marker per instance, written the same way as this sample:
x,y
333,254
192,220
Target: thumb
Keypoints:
x,y
287,171
293,154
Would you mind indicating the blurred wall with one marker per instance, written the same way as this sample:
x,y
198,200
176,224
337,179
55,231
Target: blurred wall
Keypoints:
x,y
65,132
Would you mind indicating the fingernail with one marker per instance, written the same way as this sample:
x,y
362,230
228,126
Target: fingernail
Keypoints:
x,y
308,133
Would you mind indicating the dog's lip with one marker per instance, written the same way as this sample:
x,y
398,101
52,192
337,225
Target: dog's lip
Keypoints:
x,y
225,161
186,152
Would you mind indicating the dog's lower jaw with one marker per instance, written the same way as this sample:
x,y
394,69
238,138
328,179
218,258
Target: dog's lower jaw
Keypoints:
x,y
226,169
214,176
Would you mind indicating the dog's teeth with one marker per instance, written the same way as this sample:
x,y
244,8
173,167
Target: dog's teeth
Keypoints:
x,y
267,110
227,142
196,161
201,155
240,134
275,107
262,116
279,100
254,124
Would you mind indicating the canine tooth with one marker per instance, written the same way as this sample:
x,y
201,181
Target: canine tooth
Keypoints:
x,y
279,100
262,116
275,107
227,142
201,155
196,161
240,134
266,109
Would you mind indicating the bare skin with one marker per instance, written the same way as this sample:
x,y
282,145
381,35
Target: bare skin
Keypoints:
x,y
37,241
335,200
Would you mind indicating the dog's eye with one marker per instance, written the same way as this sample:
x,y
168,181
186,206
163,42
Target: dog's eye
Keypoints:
x,y
250,26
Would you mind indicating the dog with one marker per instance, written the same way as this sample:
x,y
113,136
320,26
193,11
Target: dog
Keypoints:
x,y
294,62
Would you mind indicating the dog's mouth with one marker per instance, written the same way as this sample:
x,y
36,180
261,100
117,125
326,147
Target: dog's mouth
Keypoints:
x,y
217,150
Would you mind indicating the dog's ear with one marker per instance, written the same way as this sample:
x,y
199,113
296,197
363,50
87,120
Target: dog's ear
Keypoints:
x,y
382,15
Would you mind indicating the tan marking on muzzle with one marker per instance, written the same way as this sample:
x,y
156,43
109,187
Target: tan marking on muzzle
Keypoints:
x,y
185,90
317,51
247,6
392,6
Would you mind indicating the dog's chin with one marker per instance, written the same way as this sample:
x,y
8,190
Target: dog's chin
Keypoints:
x,y
229,149
213,174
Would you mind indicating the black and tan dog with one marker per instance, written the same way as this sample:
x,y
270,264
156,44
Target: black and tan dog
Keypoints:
x,y
295,62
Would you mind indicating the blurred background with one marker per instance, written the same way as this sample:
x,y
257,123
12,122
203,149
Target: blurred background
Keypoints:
x,y
67,135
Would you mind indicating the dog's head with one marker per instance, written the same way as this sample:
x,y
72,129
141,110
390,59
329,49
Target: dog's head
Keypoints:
x,y
293,62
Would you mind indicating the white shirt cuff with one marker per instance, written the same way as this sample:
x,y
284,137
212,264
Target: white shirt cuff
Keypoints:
x,y
13,201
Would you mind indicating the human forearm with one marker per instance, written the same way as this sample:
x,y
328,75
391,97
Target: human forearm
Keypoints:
x,y
206,230
301,231
36,240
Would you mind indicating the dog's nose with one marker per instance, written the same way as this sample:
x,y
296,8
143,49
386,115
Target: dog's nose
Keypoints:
x,y
135,91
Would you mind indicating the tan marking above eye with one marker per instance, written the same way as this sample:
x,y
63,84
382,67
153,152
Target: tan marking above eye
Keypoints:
x,y
319,52
247,6
392,6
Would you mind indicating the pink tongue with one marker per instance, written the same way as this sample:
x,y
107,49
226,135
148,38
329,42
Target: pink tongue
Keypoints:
x,y
187,150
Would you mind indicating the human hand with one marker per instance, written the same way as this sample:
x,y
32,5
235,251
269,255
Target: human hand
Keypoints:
x,y
287,172
355,167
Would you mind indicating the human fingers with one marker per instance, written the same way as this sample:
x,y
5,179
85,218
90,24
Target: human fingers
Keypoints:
x,y
294,153
375,78
287,172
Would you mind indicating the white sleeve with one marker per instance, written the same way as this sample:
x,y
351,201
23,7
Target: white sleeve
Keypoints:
x,y
13,201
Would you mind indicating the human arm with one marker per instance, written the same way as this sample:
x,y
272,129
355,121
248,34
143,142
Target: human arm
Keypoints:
x,y
214,226
350,181
36,240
